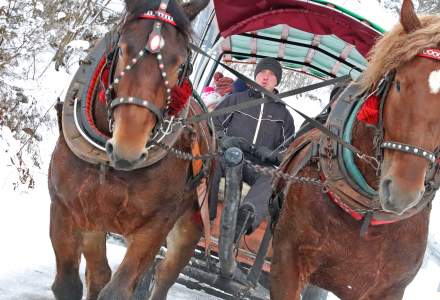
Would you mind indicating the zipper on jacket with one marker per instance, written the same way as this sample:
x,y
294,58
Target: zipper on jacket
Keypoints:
x,y
257,130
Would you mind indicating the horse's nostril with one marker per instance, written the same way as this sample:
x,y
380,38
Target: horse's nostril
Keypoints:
x,y
144,156
109,147
386,185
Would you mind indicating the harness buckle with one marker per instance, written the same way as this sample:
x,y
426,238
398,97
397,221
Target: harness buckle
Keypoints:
x,y
372,161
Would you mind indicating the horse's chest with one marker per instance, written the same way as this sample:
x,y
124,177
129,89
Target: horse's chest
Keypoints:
x,y
121,204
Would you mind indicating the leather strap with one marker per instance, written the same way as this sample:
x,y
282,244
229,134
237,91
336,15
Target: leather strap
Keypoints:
x,y
139,102
428,155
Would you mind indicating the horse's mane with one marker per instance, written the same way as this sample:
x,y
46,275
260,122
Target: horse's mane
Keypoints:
x,y
397,47
138,7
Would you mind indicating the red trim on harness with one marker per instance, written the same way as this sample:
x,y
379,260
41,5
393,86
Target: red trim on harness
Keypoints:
x,y
357,216
430,53
90,92
167,18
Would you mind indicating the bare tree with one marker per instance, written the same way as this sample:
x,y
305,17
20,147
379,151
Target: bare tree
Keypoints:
x,y
429,6
27,28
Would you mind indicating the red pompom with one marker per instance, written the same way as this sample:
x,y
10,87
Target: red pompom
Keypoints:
x,y
369,112
179,97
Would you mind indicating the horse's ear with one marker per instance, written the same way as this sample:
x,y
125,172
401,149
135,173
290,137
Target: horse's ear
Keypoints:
x,y
408,17
193,7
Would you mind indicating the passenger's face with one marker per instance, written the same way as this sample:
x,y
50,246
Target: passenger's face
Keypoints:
x,y
267,79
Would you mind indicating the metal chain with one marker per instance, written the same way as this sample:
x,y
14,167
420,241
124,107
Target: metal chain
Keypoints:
x,y
186,155
258,168
281,175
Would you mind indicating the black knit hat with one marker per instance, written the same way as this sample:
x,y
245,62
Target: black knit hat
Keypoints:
x,y
270,63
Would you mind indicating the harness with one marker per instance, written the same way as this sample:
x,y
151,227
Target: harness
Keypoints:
x,y
429,53
154,46
351,193
97,72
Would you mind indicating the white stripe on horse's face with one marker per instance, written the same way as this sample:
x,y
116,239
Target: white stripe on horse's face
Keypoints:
x,y
434,82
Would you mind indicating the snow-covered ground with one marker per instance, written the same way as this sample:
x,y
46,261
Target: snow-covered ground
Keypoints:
x,y
26,256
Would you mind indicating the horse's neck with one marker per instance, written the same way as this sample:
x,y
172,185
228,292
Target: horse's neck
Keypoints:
x,y
100,117
362,138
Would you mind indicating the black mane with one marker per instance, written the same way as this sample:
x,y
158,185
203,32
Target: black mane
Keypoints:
x,y
138,7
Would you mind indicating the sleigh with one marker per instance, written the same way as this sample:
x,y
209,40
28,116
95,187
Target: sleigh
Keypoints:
x,y
321,40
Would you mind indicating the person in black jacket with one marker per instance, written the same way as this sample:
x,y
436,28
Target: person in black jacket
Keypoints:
x,y
263,132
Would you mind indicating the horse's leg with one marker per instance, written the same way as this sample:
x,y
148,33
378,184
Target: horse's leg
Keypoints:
x,y
181,242
142,246
66,242
98,272
289,273
284,277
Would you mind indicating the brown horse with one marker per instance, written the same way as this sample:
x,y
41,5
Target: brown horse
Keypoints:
x,y
315,241
145,205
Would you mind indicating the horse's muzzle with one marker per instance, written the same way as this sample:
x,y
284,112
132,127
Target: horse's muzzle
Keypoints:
x,y
122,162
395,199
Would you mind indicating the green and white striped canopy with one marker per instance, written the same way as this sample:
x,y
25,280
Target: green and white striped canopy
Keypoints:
x,y
315,36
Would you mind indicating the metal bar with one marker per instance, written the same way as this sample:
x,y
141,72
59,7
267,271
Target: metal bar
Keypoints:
x,y
234,165
255,272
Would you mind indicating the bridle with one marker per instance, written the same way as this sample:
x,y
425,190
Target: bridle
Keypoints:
x,y
154,46
382,92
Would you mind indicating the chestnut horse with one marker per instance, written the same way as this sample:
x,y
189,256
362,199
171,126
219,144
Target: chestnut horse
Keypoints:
x,y
315,241
145,205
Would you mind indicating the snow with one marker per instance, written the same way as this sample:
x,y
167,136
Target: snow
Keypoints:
x,y
370,10
27,261
61,15
79,44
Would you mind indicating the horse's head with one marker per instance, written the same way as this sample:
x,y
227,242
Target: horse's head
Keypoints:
x,y
153,45
411,109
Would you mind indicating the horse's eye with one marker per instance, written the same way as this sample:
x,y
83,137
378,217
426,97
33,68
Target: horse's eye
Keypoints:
x,y
398,86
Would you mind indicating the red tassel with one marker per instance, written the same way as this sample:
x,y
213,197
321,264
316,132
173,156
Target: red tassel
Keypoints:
x,y
369,112
179,97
